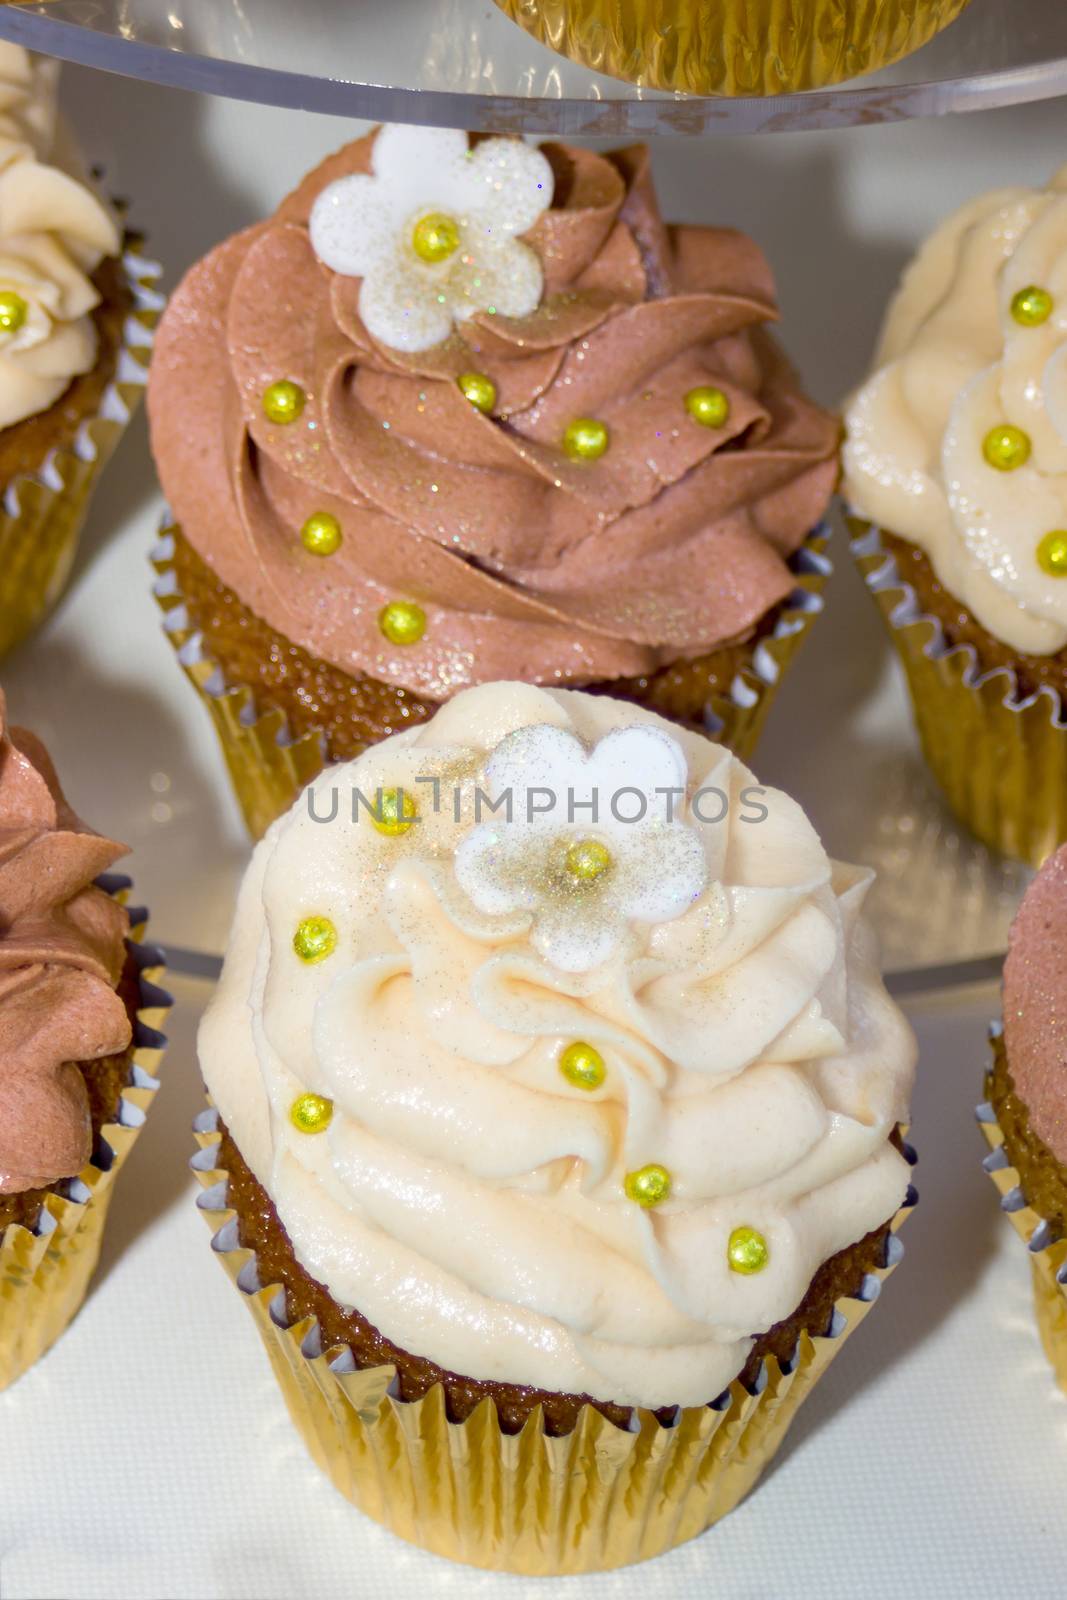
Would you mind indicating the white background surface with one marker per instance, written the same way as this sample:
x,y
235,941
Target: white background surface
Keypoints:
x,y
149,1455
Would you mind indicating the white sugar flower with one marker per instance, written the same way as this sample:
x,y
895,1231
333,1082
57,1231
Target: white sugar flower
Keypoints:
x,y
432,232
586,843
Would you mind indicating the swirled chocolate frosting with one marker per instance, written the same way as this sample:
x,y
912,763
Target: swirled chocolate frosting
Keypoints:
x,y
527,563
61,956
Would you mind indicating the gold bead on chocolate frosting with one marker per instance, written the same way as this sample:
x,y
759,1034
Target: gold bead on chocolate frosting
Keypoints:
x,y
435,237
585,439
1032,306
479,390
747,1251
1006,447
648,1186
582,1065
587,859
708,406
283,401
13,311
396,813
315,938
1052,553
402,622
321,534
311,1113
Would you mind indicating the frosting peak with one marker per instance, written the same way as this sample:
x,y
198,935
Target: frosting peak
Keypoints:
x,y
527,559
61,955
540,1148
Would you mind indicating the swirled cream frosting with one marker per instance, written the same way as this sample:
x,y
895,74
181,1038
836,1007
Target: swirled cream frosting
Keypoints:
x,y
54,233
580,1100
61,954
404,348
958,441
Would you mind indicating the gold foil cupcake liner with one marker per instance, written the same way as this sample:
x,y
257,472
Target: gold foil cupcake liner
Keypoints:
x,y
269,768
45,1271
734,47
1000,757
1048,1254
596,1498
42,511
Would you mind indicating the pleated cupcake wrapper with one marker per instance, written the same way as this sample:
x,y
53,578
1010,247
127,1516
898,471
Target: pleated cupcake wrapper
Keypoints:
x,y
269,768
999,756
1048,1254
599,1497
45,1271
734,47
43,509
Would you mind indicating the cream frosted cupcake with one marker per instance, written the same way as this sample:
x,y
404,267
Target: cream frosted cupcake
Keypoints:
x,y
78,1048
76,311
585,1131
956,466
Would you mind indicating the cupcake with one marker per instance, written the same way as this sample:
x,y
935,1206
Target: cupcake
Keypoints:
x,y
556,1131
955,467
458,413
78,1048
1024,1117
733,47
77,306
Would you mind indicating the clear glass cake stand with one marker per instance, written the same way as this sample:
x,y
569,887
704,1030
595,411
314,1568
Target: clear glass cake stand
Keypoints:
x,y
462,63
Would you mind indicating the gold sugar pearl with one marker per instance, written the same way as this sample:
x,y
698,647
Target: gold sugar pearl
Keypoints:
x,y
402,622
13,311
479,390
435,237
396,814
311,1113
585,439
1032,306
747,1251
648,1186
1052,553
1006,447
582,1065
708,406
283,402
587,859
321,534
315,938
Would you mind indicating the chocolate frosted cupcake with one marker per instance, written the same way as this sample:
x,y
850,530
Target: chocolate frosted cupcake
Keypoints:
x,y
458,413
956,462
585,1132
76,1049
77,306
1024,1117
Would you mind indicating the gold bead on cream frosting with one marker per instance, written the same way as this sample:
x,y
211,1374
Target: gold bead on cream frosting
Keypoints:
x,y
582,1065
586,859
402,622
315,938
13,311
747,1251
585,439
311,1113
435,237
1006,447
1052,553
1032,306
648,1186
396,814
708,406
283,401
321,534
478,389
